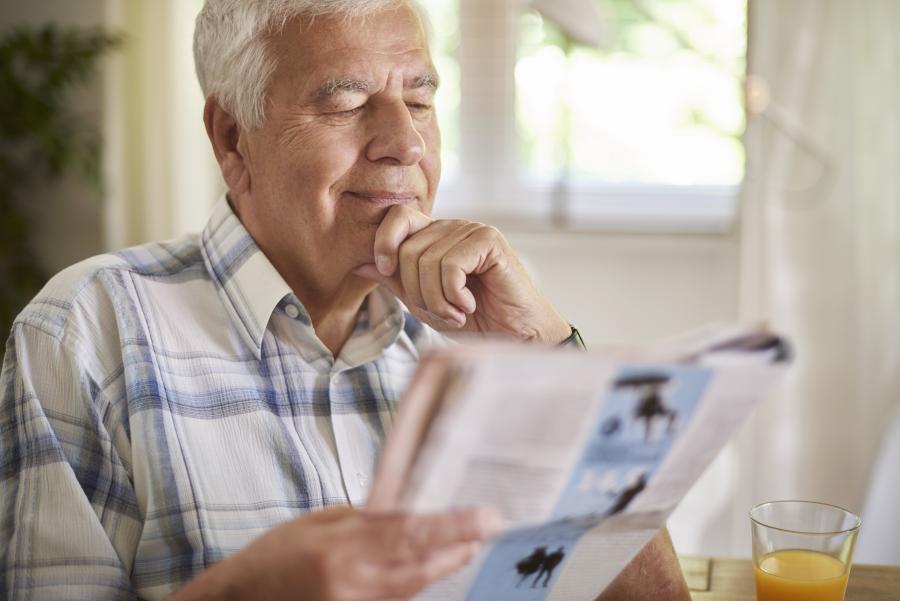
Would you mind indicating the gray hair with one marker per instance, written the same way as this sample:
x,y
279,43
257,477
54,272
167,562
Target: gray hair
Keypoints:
x,y
231,56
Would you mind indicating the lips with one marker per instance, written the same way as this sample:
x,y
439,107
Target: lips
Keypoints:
x,y
385,198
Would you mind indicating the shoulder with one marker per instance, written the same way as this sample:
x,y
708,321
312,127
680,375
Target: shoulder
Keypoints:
x,y
88,292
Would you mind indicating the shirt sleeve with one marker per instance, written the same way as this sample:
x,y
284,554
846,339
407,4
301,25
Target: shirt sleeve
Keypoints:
x,y
69,519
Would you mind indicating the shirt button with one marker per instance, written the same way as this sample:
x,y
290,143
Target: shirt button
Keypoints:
x,y
292,311
362,479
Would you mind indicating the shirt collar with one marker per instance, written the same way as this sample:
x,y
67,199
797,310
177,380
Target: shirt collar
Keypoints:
x,y
248,283
251,289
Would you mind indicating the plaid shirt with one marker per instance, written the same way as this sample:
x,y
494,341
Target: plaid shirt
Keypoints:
x,y
163,406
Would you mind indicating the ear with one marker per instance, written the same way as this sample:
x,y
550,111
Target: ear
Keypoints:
x,y
225,136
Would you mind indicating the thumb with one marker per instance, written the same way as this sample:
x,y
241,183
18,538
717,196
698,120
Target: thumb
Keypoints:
x,y
368,271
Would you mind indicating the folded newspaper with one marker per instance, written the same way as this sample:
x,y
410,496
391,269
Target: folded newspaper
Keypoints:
x,y
585,453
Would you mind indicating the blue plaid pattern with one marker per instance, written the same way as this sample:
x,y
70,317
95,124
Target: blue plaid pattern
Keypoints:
x,y
165,405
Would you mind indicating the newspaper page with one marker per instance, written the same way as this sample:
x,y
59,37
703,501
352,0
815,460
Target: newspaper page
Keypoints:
x,y
585,454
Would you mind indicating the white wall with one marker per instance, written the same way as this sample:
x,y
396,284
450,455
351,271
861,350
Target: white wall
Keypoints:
x,y
633,287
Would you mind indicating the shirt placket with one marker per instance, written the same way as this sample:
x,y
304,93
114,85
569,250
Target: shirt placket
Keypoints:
x,y
353,437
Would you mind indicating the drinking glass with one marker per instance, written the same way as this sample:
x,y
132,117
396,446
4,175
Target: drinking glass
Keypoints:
x,y
802,550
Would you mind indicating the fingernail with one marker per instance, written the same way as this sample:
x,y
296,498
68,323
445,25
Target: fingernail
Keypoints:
x,y
383,264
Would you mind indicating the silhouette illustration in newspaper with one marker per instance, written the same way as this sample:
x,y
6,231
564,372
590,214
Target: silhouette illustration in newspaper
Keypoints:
x,y
651,404
539,562
611,426
627,494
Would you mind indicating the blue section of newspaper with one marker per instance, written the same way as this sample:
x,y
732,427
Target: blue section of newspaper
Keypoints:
x,y
645,410
523,564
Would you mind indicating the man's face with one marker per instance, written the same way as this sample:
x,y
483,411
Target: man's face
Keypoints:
x,y
351,130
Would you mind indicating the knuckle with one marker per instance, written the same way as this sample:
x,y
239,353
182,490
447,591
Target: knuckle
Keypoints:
x,y
489,232
429,260
449,265
448,224
407,251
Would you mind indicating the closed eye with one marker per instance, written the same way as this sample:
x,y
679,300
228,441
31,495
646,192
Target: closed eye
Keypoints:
x,y
350,112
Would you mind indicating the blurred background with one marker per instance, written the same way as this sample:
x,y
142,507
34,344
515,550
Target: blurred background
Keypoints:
x,y
659,164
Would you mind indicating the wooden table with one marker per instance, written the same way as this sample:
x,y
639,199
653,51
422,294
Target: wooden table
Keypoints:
x,y
732,580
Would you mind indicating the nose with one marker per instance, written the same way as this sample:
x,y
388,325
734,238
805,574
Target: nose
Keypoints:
x,y
395,138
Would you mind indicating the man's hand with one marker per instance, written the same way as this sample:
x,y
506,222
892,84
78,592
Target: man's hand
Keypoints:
x,y
345,554
460,275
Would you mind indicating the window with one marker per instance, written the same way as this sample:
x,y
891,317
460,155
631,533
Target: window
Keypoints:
x,y
642,133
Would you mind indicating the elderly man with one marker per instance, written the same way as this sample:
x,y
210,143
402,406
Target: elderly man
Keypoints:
x,y
175,415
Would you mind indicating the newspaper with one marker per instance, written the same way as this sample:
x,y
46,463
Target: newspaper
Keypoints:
x,y
584,453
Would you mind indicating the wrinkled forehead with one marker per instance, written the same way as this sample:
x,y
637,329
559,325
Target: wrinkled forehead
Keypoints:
x,y
326,47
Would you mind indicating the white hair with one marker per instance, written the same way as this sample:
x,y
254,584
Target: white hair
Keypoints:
x,y
233,61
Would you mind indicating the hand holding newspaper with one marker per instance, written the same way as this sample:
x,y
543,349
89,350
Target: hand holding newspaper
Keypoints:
x,y
585,454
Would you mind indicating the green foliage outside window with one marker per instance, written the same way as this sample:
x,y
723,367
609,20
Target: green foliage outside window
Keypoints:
x,y
661,102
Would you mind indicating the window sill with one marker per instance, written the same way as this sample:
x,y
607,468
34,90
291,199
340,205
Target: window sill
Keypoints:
x,y
607,208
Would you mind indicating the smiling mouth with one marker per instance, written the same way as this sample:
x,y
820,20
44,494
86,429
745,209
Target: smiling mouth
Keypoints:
x,y
385,198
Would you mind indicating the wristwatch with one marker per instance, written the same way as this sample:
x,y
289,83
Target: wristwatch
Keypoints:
x,y
574,340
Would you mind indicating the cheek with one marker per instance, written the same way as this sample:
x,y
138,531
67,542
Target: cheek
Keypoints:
x,y
328,162
432,137
431,167
313,162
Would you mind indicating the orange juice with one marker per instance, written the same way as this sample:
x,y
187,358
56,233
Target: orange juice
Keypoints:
x,y
796,575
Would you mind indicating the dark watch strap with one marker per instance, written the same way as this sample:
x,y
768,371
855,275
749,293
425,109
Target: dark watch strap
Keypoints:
x,y
574,340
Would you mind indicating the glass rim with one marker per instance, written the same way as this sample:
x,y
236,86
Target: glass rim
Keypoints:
x,y
856,518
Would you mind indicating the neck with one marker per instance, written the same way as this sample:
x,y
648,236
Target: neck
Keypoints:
x,y
333,310
331,295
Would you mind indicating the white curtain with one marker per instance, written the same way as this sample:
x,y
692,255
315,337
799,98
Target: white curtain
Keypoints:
x,y
160,171
820,260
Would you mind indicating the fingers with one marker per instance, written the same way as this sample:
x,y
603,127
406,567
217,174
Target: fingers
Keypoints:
x,y
412,249
476,254
409,537
398,224
405,580
417,550
426,532
427,263
345,554
420,267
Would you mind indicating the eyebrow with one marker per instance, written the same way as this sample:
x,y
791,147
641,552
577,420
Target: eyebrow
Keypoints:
x,y
333,87
429,80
